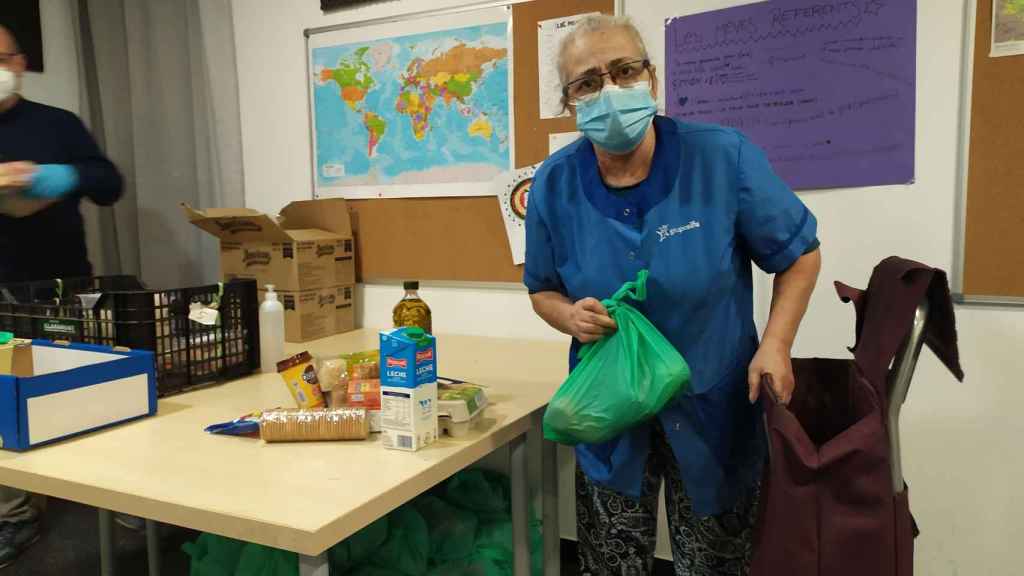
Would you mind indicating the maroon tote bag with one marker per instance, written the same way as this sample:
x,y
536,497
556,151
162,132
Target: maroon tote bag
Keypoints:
x,y
829,506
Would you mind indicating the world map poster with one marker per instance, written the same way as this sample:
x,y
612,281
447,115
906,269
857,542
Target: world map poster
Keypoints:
x,y
424,114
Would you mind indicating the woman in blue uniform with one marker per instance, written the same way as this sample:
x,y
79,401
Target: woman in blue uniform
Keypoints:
x,y
695,205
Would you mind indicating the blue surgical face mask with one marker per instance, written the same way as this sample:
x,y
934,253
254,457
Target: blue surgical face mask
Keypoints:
x,y
617,118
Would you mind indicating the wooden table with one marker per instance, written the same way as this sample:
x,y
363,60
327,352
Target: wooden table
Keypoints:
x,y
303,497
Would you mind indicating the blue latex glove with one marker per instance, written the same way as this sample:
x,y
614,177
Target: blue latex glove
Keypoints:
x,y
52,181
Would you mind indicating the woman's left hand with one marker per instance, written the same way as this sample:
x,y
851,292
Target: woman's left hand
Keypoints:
x,y
772,358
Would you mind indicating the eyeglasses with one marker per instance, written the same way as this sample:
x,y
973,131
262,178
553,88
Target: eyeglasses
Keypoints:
x,y
622,74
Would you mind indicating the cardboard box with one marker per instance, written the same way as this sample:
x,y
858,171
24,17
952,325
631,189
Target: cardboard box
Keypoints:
x,y
331,215
408,390
284,252
308,314
344,304
345,262
7,354
54,391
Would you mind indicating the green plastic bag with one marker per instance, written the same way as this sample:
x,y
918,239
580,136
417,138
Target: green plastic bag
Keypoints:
x,y
407,549
214,555
370,570
358,548
621,380
257,560
494,547
475,565
452,530
483,492
492,553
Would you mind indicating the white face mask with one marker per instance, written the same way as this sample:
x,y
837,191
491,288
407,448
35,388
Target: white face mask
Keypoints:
x,y
8,83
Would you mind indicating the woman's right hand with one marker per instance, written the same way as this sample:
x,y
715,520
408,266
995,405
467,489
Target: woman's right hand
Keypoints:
x,y
589,321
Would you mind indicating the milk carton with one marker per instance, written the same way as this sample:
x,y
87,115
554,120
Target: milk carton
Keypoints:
x,y
408,378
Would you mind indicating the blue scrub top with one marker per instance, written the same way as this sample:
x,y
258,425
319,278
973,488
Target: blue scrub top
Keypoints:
x,y
710,206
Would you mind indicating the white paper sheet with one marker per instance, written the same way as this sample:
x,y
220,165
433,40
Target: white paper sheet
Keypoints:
x,y
1007,28
549,35
560,140
513,192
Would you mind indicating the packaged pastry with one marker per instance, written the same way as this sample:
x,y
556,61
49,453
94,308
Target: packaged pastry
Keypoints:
x,y
363,394
337,396
364,365
363,385
331,372
298,425
300,377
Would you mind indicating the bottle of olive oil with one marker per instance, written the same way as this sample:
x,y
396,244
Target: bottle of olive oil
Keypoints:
x,y
411,310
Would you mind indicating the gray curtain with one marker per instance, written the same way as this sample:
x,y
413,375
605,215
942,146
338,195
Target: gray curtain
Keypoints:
x,y
162,98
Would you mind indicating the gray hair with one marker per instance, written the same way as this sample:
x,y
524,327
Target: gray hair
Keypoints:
x,y
596,23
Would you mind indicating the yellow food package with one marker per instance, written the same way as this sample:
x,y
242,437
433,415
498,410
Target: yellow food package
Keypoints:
x,y
300,377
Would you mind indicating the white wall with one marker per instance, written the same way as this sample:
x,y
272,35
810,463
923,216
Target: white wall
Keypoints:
x,y
960,440
58,85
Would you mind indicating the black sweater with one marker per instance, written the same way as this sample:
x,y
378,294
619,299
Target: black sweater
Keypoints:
x,y
51,243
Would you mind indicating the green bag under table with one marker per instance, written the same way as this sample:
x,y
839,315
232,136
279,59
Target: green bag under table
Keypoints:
x,y
463,527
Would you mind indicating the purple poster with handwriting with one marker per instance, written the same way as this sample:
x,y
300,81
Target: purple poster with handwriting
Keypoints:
x,y
826,88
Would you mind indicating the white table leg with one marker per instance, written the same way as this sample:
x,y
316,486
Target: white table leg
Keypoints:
x,y
549,490
520,507
314,565
153,547
107,561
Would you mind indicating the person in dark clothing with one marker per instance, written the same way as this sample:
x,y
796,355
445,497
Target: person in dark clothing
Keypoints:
x,y
48,163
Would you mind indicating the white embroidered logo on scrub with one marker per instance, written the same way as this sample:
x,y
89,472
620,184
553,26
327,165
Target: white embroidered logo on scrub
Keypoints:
x,y
664,232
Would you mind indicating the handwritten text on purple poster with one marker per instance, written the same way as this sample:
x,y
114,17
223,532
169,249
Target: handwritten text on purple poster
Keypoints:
x,y
827,88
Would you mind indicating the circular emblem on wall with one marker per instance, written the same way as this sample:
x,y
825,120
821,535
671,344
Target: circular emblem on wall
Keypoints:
x,y
520,196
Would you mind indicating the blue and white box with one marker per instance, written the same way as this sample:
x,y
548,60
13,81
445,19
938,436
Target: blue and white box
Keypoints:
x,y
408,387
53,391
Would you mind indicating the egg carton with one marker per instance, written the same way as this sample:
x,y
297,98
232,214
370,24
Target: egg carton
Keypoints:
x,y
460,406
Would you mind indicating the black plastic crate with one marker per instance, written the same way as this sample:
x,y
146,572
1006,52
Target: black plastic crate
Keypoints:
x,y
119,311
36,309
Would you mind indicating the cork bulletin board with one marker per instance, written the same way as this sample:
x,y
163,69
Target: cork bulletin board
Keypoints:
x,y
436,239
991,208
531,131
